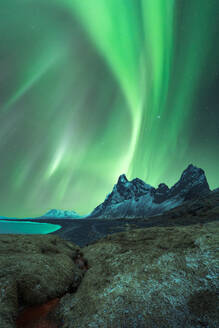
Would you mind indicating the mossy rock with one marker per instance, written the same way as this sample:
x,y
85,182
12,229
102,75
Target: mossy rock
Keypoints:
x,y
33,270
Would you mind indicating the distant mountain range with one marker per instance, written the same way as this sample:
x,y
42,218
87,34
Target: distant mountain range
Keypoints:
x,y
135,198
54,214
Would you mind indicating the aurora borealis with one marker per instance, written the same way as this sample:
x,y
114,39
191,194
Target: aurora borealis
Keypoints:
x,y
91,89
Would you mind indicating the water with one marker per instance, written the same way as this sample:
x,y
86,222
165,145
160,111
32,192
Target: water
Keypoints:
x,y
23,227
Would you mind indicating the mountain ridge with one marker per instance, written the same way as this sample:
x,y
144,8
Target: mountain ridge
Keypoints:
x,y
136,198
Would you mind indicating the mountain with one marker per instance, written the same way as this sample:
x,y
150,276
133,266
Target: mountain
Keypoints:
x,y
135,198
54,214
61,214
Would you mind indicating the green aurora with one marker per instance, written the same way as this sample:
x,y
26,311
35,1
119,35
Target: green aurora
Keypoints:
x,y
91,89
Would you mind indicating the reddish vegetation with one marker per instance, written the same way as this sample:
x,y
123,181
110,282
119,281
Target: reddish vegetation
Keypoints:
x,y
36,316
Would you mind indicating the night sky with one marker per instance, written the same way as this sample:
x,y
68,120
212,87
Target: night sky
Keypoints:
x,y
91,89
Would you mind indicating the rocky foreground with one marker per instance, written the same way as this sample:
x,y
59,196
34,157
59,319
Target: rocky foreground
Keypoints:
x,y
35,269
147,277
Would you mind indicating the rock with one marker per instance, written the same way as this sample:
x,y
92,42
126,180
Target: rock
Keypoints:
x,y
35,269
153,277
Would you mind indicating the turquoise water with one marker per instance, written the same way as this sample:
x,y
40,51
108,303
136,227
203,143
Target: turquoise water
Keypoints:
x,y
23,227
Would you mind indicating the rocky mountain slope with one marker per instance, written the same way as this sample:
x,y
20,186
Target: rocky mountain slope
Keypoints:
x,y
202,209
135,198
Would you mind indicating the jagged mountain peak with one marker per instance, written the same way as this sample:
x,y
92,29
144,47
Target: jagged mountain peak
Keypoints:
x,y
191,183
126,189
122,179
162,187
192,172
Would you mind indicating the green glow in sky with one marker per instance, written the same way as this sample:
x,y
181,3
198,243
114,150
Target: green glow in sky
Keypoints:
x,y
91,89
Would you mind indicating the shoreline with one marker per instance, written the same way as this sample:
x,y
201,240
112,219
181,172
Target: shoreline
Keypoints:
x,y
83,232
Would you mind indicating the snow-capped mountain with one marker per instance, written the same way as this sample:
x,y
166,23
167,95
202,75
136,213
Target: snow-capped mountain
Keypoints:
x,y
135,198
61,214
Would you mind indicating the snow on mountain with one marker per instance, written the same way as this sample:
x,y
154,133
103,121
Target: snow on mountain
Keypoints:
x,y
54,213
135,198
